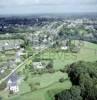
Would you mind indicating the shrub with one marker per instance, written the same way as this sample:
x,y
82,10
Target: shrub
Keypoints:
x,y
61,80
2,86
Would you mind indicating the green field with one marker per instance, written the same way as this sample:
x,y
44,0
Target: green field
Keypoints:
x,y
5,57
11,41
50,81
87,52
42,94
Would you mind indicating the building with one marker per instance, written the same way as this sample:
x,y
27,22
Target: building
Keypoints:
x,y
13,83
2,71
64,48
38,65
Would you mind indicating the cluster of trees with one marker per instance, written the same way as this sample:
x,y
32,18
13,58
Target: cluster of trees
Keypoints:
x,y
83,76
79,32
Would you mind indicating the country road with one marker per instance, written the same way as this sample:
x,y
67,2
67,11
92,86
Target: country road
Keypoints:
x,y
23,63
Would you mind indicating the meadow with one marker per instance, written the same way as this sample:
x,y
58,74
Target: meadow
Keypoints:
x,y
48,83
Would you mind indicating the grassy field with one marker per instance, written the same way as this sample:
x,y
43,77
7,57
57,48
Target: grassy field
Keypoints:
x,y
42,94
8,55
88,52
11,41
47,78
49,82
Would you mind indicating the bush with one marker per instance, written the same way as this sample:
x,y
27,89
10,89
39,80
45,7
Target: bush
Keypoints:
x,y
26,78
1,98
51,70
2,86
61,80
11,92
37,83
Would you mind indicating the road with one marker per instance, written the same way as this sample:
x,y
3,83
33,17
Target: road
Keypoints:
x,y
23,63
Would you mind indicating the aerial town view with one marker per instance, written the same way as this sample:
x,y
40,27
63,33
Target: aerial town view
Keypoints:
x,y
48,50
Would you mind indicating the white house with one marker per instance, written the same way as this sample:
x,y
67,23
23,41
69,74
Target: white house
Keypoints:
x,y
13,87
18,55
2,71
38,65
64,47
13,84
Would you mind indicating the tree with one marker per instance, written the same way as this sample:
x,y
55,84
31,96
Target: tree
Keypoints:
x,y
32,86
2,86
50,65
1,98
83,76
72,94
26,78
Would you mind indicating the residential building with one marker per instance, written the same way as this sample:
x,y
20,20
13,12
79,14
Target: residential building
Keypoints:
x,y
13,83
38,65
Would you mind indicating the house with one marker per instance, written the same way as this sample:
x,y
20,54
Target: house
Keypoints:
x,y
18,59
2,71
13,83
11,64
18,56
38,65
64,48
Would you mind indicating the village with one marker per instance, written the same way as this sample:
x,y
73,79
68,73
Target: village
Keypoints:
x,y
36,61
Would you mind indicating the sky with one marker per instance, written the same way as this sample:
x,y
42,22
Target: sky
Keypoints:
x,y
47,6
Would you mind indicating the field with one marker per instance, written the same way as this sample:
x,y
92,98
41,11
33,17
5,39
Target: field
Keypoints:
x,y
11,42
8,55
42,94
48,84
9,52
88,52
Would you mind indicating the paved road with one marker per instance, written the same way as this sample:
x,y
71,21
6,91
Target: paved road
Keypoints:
x,y
23,63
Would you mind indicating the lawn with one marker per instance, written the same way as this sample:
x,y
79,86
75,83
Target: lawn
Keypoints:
x,y
48,82
88,52
7,55
42,94
47,78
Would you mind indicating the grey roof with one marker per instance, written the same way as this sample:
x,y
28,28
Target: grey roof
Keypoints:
x,y
14,78
13,84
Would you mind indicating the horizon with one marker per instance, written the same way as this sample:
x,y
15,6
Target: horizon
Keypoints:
x,y
51,14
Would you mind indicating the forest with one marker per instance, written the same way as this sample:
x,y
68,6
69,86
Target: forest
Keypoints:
x,y
83,76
